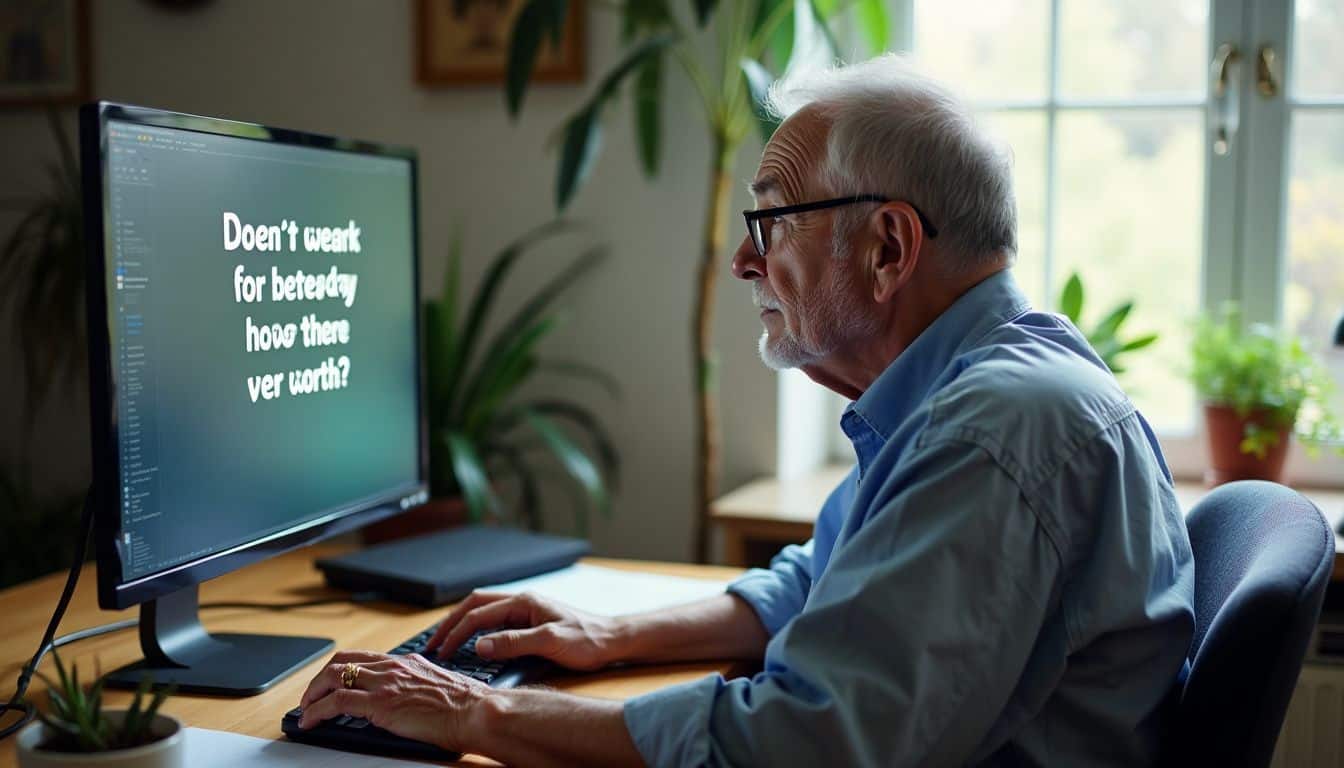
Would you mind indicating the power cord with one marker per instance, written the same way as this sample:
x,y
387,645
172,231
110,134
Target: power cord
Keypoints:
x,y
48,644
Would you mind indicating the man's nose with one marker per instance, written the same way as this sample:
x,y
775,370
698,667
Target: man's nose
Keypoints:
x,y
747,264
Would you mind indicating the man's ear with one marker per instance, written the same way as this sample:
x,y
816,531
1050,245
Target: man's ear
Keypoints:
x,y
899,240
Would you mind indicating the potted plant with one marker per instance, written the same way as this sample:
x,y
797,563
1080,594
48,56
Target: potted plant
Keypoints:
x,y
1258,386
1105,336
482,432
78,732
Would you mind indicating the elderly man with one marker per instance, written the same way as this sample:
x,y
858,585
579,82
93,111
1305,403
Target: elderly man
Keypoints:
x,y
1003,579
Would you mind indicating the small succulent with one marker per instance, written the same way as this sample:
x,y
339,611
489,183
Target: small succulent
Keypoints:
x,y
77,720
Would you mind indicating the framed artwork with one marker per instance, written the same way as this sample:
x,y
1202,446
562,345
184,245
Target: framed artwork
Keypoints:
x,y
467,41
44,52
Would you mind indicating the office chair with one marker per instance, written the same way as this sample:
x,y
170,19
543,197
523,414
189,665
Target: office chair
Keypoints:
x,y
1263,555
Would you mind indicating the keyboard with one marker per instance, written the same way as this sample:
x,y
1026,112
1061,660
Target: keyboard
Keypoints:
x,y
356,734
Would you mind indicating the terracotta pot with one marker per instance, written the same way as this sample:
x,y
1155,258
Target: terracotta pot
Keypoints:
x,y
168,752
1227,462
437,514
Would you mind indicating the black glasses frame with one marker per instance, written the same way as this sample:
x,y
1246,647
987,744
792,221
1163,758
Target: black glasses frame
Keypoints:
x,y
757,233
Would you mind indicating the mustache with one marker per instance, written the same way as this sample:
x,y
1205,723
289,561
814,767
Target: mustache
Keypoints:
x,y
761,299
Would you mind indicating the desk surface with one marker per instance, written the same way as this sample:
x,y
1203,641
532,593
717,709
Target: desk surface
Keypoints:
x,y
292,577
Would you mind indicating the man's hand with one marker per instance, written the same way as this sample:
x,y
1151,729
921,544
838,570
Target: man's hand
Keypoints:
x,y
539,627
406,695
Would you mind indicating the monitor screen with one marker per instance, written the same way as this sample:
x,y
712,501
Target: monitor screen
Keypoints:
x,y
261,310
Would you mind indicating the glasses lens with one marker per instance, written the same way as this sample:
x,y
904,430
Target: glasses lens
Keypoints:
x,y
758,236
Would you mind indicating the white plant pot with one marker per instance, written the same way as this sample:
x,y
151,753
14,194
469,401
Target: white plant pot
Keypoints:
x,y
168,752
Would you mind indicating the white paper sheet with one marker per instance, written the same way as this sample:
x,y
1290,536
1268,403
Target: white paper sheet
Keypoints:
x,y
220,749
612,592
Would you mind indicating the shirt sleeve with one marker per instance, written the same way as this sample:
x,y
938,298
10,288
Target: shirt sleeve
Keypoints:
x,y
778,593
910,646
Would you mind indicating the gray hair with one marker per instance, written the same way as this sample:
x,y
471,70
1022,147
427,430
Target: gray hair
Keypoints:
x,y
898,133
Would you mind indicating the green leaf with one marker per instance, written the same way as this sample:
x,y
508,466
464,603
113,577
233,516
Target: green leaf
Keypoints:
x,y
873,24
587,422
503,369
1107,328
648,109
1139,343
1071,300
578,152
471,477
575,462
642,16
536,20
529,502
581,138
703,10
484,299
759,81
814,47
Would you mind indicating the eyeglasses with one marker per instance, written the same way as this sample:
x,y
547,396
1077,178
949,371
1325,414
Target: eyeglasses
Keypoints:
x,y
760,235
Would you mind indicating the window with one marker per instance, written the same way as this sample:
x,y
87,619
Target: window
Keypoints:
x,y
1112,113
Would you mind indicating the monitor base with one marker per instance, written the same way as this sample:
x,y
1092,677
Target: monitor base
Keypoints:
x,y
179,652
239,665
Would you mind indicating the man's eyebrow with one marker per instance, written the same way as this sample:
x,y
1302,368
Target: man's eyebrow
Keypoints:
x,y
763,186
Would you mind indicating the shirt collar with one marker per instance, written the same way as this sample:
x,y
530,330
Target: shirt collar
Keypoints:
x,y
907,381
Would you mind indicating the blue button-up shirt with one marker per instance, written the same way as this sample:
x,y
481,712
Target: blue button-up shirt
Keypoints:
x,y
1004,578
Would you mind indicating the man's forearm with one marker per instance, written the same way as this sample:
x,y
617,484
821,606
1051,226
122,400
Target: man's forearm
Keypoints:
x,y
537,727
720,627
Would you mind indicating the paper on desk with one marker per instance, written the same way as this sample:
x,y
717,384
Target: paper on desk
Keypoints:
x,y
612,592
220,749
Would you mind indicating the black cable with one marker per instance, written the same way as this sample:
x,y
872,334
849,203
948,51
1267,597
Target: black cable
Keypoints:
x,y
16,702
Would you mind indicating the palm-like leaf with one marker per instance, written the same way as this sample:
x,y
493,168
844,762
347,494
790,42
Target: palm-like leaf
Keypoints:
x,y
575,462
473,383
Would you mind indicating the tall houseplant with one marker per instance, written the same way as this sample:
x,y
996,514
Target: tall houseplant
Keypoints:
x,y
482,430
751,40
1259,386
42,273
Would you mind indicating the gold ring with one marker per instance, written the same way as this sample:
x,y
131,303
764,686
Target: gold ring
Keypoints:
x,y
349,674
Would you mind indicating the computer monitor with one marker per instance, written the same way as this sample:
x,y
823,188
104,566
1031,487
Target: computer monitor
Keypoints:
x,y
255,382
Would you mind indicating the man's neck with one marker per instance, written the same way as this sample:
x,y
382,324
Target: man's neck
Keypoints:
x,y
854,366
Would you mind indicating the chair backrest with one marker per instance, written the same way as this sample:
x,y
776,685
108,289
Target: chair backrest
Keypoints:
x,y
1263,555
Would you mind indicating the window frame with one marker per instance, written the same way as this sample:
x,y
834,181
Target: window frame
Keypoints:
x,y
1242,220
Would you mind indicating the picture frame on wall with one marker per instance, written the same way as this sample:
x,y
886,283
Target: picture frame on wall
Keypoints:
x,y
466,42
44,52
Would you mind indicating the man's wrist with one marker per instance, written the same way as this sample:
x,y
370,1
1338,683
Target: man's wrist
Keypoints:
x,y
486,720
620,641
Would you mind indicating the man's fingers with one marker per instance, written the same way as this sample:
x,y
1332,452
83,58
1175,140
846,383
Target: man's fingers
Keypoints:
x,y
511,643
329,678
342,701
472,601
502,613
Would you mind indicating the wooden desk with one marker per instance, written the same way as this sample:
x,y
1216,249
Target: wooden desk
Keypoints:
x,y
764,515
376,626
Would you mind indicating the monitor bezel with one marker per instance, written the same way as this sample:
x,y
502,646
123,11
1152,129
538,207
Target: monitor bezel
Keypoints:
x,y
113,591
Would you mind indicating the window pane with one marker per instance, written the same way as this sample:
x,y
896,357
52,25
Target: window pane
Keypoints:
x,y
1129,48
1314,290
1318,69
986,51
1130,221
1024,133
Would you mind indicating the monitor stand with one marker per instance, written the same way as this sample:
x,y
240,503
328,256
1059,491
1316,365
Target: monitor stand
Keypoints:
x,y
178,651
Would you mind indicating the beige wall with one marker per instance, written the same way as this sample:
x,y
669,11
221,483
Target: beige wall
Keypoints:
x,y
346,68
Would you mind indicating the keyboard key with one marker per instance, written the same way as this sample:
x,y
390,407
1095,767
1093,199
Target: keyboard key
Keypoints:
x,y
357,722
